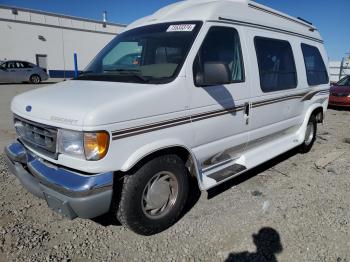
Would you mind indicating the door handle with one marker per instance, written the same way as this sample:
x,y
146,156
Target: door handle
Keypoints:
x,y
246,109
246,113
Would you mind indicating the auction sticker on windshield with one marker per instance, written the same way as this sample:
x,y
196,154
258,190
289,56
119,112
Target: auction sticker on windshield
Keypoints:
x,y
181,28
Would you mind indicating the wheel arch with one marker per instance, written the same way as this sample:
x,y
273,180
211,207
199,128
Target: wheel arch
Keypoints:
x,y
319,113
148,152
315,109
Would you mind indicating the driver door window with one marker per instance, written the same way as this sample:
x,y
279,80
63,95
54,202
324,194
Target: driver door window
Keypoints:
x,y
222,47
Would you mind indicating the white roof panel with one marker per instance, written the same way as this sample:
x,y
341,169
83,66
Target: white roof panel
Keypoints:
x,y
245,11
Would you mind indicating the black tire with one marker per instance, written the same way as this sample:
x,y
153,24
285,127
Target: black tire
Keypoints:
x,y
130,209
35,79
310,138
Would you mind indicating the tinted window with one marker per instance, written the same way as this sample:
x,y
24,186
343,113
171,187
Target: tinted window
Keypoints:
x,y
222,45
344,82
276,64
19,65
27,65
315,68
10,65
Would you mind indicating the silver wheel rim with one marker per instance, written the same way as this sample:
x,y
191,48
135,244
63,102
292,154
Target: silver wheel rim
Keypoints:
x,y
35,79
160,194
309,135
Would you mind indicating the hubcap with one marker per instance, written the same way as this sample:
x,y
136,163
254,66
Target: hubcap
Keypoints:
x,y
160,194
309,134
35,79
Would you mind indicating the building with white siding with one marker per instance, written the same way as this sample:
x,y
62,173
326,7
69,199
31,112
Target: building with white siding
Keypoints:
x,y
50,40
339,69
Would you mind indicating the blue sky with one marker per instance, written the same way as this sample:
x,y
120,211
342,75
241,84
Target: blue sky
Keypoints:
x,y
331,17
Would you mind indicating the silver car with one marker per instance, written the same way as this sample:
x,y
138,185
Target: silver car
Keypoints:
x,y
21,71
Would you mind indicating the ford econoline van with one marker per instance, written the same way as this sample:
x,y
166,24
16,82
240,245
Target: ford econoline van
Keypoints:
x,y
200,89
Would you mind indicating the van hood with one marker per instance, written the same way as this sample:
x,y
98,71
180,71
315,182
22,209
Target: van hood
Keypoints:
x,y
79,104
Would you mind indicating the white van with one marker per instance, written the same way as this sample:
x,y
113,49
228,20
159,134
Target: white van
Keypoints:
x,y
208,89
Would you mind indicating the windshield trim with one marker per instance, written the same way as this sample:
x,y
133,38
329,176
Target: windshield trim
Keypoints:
x,y
121,78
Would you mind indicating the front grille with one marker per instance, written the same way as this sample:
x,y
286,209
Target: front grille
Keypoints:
x,y
40,137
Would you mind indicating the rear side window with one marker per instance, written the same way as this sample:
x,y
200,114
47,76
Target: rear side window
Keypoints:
x,y
276,64
27,65
315,68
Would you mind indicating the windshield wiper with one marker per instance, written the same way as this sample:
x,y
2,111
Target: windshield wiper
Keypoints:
x,y
128,72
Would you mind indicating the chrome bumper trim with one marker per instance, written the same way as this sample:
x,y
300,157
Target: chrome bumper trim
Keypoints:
x,y
59,179
67,192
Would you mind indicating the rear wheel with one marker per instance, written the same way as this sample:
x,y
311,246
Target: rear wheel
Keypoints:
x,y
310,135
35,79
154,195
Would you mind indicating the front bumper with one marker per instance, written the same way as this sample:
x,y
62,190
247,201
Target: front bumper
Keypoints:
x,y
67,192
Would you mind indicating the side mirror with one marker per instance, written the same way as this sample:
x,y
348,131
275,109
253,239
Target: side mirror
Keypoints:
x,y
214,73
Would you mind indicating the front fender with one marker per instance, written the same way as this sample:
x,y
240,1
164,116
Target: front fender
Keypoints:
x,y
153,147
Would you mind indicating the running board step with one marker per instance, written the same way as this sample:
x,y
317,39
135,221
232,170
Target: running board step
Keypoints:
x,y
227,172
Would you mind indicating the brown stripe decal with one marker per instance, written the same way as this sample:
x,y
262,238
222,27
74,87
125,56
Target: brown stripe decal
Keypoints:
x,y
222,112
148,128
202,116
277,100
310,95
174,122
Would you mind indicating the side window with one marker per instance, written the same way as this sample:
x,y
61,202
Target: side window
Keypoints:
x,y
19,65
315,68
344,81
27,65
10,65
276,64
222,47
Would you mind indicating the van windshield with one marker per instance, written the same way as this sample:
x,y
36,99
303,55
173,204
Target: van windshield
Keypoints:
x,y
149,54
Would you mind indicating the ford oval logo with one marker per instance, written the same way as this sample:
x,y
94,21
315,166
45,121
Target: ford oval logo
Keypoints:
x,y
29,108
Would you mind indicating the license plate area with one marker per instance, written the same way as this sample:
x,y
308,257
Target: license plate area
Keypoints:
x,y
59,206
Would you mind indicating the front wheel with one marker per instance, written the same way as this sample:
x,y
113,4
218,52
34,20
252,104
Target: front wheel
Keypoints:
x,y
310,135
153,196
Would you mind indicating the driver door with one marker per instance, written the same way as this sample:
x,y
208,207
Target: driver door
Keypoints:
x,y
220,112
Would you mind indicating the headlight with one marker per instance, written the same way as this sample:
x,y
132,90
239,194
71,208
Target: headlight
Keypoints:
x,y
71,143
89,145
